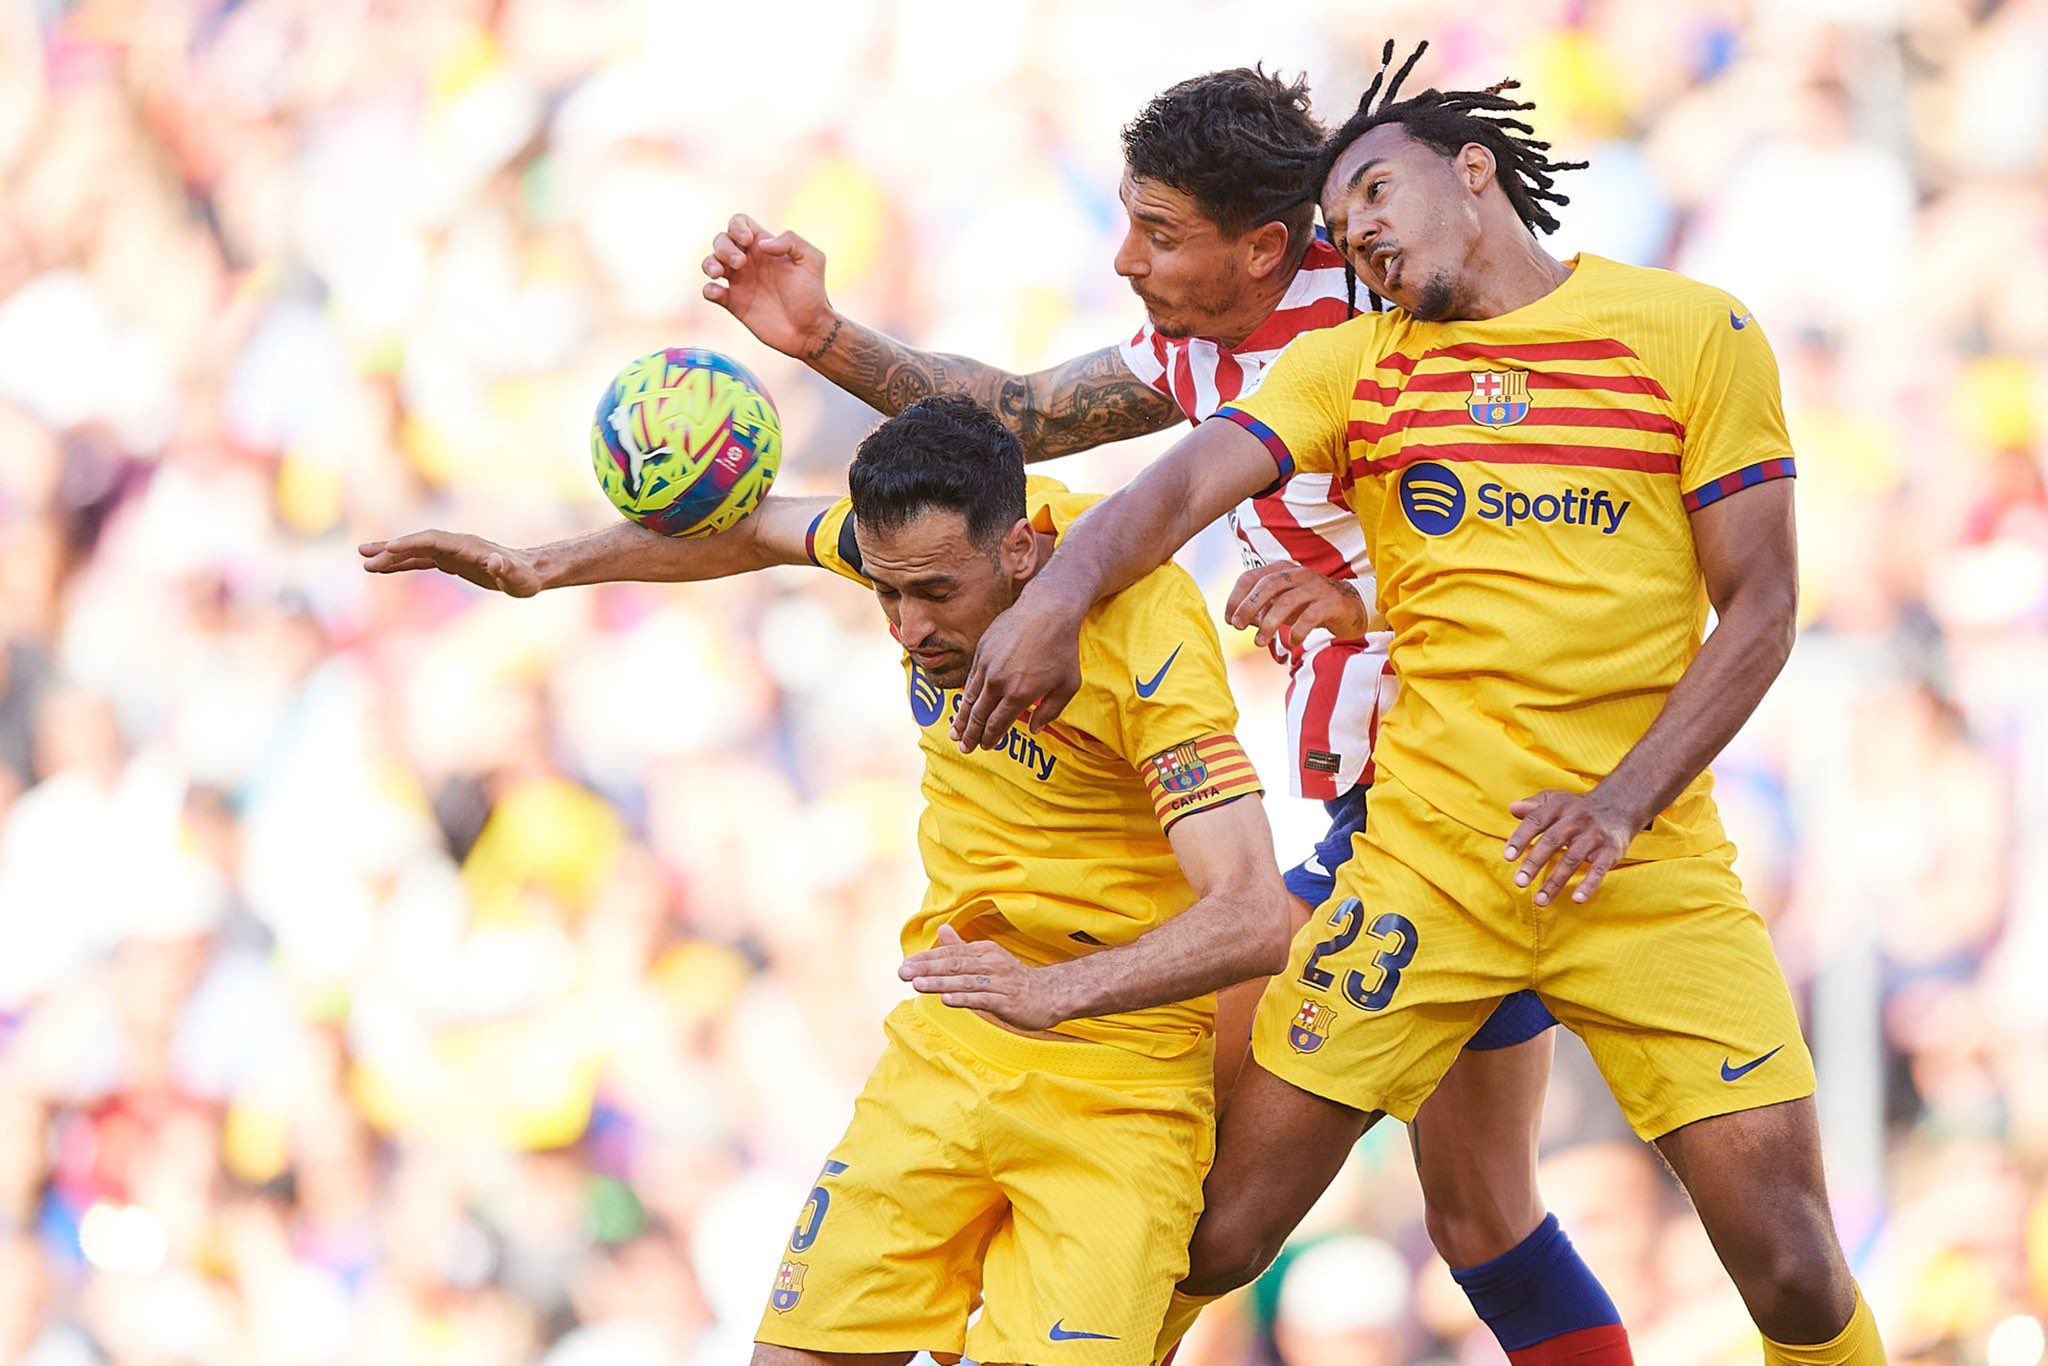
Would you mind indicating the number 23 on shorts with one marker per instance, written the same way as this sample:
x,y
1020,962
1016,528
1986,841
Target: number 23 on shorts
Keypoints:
x,y
1397,944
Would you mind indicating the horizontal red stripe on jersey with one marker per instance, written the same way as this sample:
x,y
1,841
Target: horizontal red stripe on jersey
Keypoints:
x,y
1521,453
1747,477
1603,349
1539,416
1460,381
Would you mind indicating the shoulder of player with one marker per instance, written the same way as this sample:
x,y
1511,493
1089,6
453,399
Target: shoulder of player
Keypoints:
x,y
1146,610
1676,297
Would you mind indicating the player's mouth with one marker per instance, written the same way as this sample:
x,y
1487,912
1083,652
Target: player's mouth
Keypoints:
x,y
1385,261
934,661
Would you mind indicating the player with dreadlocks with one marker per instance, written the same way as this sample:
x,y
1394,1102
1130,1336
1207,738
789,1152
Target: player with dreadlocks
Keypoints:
x,y
1221,247
1559,466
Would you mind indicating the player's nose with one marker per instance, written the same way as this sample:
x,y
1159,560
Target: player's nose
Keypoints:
x,y
1130,258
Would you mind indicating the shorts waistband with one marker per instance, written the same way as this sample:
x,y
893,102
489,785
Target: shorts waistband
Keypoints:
x,y
1082,1058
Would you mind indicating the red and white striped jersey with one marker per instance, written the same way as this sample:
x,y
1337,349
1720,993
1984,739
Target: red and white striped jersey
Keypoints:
x,y
1336,689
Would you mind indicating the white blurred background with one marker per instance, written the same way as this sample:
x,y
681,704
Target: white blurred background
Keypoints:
x,y
390,972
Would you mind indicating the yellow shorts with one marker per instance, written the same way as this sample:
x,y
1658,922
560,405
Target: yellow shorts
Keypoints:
x,y
1055,1184
1667,974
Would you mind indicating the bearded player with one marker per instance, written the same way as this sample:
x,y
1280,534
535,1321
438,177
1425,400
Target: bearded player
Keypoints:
x,y
1559,466
1034,1137
1222,250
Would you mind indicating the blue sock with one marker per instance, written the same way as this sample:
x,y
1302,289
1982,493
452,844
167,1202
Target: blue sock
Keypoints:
x,y
1541,1291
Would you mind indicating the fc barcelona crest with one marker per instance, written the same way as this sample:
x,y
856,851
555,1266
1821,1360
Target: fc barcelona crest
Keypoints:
x,y
1180,769
789,1286
1500,398
1311,1027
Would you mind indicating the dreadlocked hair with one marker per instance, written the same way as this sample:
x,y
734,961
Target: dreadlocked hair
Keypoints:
x,y
1447,120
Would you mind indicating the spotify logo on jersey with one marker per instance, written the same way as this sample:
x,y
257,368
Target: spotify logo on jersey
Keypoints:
x,y
1433,498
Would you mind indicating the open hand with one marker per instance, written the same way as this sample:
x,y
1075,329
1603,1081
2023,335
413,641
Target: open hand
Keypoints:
x,y
774,283
484,563
1587,829
985,976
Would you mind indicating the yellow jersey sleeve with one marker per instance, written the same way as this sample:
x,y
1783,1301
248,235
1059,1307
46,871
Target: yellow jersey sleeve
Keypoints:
x,y
1170,715
1302,407
1733,411
830,543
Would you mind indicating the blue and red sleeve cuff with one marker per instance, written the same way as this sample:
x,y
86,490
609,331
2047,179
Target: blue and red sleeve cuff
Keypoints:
x,y
1762,472
1283,459
811,536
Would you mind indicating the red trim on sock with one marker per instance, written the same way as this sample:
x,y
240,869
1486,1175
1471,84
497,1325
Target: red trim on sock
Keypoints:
x,y
1606,1346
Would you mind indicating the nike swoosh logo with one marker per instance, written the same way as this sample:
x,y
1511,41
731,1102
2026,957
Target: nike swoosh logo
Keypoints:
x,y
1060,1331
1738,1073
1147,689
1739,323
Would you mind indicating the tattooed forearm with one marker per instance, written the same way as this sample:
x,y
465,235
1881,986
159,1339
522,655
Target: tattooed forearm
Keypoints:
x,y
1091,401
1086,402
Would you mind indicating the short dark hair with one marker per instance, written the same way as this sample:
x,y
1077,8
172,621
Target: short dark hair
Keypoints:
x,y
1446,120
942,452
1241,142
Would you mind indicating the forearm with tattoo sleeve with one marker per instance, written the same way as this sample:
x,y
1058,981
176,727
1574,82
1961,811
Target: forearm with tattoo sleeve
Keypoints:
x,y
1088,401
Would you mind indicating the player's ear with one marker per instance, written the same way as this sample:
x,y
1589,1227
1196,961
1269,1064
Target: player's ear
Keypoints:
x,y
1265,249
1475,166
1019,548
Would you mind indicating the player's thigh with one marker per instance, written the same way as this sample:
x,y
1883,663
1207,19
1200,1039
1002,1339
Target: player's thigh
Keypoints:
x,y
766,1355
1755,1177
1475,1150
1277,1149
1103,1174
1399,968
1670,978
1236,1007
886,1251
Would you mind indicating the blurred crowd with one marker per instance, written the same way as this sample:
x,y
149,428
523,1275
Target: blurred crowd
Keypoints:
x,y
392,972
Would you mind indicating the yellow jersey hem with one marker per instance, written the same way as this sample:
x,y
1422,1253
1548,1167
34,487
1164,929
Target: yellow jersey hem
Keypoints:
x,y
1083,1059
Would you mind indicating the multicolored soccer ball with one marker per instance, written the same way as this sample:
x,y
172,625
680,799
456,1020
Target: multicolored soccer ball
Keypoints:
x,y
686,441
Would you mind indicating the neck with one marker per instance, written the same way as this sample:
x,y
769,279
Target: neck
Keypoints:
x,y
1258,306
1508,271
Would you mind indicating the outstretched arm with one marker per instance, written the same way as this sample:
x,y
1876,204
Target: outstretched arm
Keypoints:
x,y
775,285
1749,556
1238,929
774,533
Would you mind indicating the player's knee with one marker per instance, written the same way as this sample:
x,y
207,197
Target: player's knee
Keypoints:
x,y
1466,1236
1474,1210
1220,1259
1789,1270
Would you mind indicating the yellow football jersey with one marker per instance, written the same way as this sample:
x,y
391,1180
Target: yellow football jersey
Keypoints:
x,y
1525,484
1055,845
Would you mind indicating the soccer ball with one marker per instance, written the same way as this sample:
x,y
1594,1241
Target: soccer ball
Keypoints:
x,y
685,442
